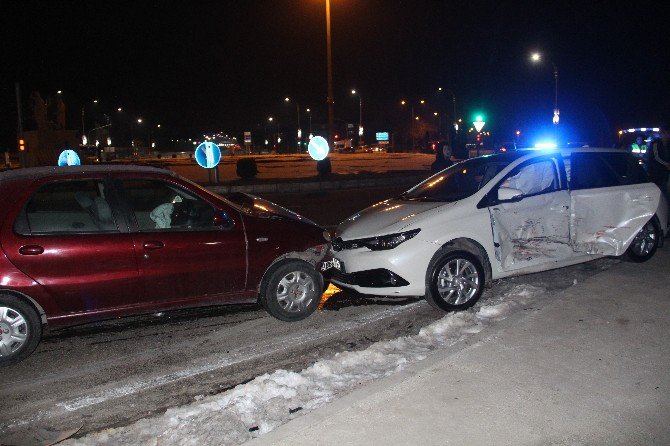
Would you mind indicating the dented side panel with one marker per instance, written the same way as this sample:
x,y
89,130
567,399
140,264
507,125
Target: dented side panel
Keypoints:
x,y
604,221
533,231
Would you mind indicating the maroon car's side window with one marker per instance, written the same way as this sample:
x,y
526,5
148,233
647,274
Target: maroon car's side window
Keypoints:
x,y
157,205
67,207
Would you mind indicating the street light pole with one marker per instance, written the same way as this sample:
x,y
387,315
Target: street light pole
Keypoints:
x,y
535,58
453,100
298,131
330,100
83,128
556,112
360,116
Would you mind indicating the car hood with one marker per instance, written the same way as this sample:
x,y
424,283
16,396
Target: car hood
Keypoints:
x,y
385,217
262,208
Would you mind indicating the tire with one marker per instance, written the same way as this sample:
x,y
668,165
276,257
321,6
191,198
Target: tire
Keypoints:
x,y
455,281
20,329
292,291
645,243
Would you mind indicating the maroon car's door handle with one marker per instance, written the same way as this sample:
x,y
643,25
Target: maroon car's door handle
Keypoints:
x,y
153,245
31,250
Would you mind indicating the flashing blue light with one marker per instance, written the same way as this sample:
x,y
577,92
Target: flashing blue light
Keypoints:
x,y
546,145
208,155
69,157
318,148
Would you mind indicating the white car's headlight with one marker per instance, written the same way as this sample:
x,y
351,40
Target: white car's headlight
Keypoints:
x,y
380,243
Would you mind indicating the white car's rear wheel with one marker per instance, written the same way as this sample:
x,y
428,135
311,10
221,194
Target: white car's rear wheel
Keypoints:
x,y
645,243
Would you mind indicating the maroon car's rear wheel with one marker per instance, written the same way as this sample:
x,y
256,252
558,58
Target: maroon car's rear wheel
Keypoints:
x,y
20,329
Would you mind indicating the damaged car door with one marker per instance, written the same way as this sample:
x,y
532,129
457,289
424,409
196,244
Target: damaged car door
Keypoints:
x,y
530,214
611,200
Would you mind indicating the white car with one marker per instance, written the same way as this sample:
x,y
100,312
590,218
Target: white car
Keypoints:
x,y
497,216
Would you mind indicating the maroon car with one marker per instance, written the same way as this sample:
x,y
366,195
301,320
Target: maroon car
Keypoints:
x,y
94,242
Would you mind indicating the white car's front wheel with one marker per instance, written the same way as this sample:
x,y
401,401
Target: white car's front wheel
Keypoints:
x,y
456,281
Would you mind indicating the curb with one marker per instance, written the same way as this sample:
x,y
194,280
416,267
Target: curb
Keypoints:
x,y
315,186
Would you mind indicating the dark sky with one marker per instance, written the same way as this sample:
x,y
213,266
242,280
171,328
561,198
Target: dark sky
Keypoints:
x,y
227,65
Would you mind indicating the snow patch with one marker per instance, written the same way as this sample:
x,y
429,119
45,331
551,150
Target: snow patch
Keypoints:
x,y
268,401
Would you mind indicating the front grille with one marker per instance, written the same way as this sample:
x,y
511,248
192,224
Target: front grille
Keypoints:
x,y
343,277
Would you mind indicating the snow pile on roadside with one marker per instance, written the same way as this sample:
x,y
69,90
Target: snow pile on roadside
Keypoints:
x,y
270,400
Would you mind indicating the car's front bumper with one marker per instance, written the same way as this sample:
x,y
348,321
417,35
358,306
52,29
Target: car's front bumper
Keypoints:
x,y
400,271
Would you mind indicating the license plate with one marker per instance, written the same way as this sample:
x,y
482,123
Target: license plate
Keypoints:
x,y
332,263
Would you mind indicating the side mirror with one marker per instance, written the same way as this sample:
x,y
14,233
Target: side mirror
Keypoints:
x,y
509,194
222,220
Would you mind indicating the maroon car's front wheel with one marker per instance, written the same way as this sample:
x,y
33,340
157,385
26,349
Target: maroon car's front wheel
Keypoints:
x,y
292,291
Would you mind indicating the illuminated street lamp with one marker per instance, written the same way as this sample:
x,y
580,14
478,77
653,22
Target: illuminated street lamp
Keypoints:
x,y
309,113
360,116
83,108
537,58
299,132
453,100
277,139
412,119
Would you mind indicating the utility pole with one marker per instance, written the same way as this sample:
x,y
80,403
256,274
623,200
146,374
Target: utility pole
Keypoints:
x,y
19,130
330,100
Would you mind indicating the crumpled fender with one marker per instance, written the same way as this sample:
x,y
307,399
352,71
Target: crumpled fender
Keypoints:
x,y
313,255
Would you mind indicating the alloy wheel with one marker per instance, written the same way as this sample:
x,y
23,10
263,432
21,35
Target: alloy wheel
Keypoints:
x,y
645,240
13,331
458,281
295,291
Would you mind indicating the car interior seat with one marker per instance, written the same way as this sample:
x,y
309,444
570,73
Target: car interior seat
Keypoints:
x,y
102,214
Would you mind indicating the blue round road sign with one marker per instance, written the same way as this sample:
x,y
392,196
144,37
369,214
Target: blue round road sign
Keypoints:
x,y
208,155
318,148
69,158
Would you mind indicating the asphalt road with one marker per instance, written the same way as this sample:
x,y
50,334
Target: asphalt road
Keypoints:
x,y
112,373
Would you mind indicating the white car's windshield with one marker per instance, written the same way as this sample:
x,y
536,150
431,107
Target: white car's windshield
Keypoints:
x,y
460,180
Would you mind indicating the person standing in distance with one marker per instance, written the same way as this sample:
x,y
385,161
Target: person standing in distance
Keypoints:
x,y
658,159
